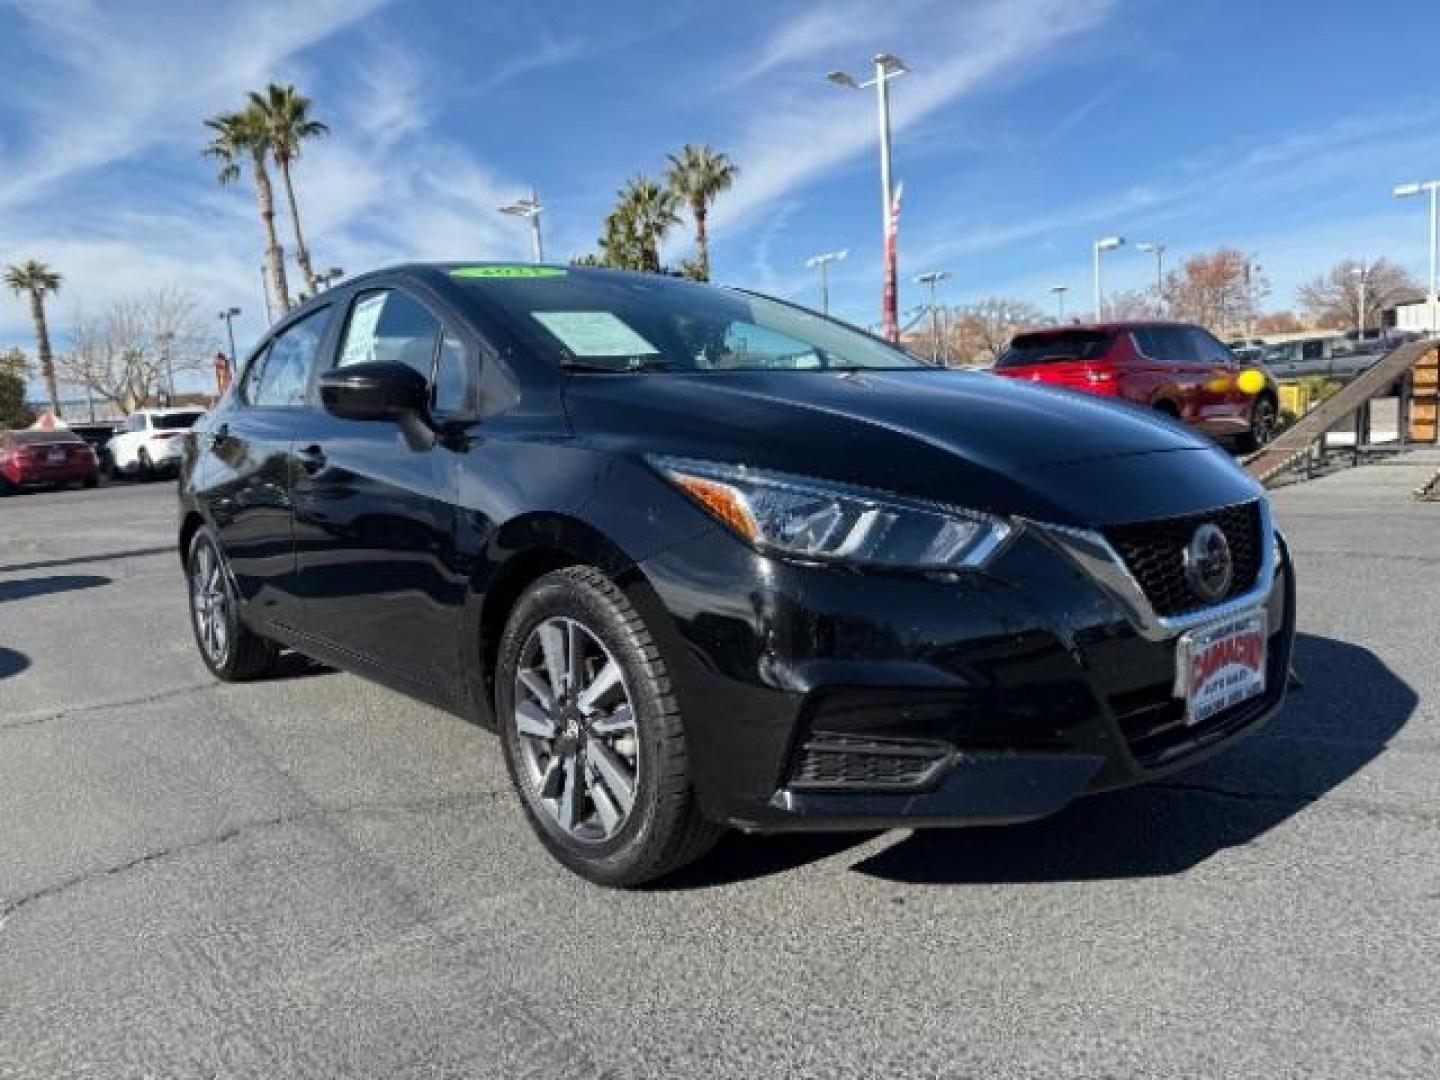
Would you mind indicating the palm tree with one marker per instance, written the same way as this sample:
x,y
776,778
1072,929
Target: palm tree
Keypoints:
x,y
285,113
647,211
37,279
239,135
697,174
621,246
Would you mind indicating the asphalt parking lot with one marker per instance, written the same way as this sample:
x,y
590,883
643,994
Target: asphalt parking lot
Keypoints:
x,y
313,876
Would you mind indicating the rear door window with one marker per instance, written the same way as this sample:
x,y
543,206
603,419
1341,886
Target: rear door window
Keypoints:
x,y
1210,351
1056,347
249,387
286,377
1166,344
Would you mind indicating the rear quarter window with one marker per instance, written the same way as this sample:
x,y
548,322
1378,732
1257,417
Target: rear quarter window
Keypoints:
x,y
1056,347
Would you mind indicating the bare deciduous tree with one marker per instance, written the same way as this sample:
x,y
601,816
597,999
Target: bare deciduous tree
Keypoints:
x,y
1221,290
1332,300
1279,322
1128,305
127,354
978,333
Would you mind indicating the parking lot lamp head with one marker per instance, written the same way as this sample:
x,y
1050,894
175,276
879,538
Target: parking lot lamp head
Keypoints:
x,y
888,66
1405,191
822,262
1157,249
529,207
1059,291
1109,243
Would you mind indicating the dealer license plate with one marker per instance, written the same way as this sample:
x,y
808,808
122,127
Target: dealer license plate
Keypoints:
x,y
1220,665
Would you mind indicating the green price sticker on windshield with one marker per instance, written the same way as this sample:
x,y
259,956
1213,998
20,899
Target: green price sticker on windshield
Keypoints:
x,y
507,272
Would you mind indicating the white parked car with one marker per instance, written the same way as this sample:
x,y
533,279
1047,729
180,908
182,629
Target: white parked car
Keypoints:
x,y
151,441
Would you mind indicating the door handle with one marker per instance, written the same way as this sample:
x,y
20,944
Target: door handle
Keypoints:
x,y
312,458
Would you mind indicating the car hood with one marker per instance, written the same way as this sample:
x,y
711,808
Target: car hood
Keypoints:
x,y
970,439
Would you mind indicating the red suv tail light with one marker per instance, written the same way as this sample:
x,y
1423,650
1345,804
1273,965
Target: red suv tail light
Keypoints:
x,y
1102,378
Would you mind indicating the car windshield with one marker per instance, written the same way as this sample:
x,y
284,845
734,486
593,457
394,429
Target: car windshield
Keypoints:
x,y
176,421
589,320
1056,347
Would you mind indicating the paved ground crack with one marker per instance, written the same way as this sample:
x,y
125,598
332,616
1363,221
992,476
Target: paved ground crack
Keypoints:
x,y
9,907
79,710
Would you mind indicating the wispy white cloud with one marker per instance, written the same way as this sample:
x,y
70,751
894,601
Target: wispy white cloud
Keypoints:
x,y
116,82
795,132
549,51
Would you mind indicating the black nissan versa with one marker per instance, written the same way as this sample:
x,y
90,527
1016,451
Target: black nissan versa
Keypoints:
x,y
705,559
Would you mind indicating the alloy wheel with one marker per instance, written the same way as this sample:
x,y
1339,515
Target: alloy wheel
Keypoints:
x,y
210,604
1262,422
575,718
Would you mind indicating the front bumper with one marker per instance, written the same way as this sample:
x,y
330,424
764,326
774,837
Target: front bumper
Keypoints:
x,y
821,698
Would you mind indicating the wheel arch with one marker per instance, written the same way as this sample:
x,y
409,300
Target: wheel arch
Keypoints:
x,y
1167,404
521,552
190,524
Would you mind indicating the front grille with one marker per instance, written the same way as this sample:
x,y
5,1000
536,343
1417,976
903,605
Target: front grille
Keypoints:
x,y
1155,730
839,761
1154,552
1152,718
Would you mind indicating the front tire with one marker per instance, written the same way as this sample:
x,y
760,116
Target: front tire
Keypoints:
x,y
1264,419
593,735
231,650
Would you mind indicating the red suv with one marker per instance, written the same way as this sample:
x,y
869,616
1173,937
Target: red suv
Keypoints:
x,y
1178,369
33,458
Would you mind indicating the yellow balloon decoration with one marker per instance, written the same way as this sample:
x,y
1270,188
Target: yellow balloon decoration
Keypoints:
x,y
1251,381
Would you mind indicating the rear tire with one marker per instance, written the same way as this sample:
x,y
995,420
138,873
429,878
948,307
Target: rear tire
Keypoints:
x,y
231,650
92,480
603,774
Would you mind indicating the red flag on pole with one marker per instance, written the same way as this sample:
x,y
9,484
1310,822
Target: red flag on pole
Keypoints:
x,y
222,373
891,300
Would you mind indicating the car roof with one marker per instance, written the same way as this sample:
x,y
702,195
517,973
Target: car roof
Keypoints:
x,y
1114,327
33,436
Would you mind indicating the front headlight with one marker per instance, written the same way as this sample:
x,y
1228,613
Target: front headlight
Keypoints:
x,y
815,519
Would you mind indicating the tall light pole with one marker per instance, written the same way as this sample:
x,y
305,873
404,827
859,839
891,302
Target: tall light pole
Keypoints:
x,y
166,338
227,317
1361,272
265,292
887,67
822,263
933,278
1405,191
1109,243
1158,250
1059,291
529,207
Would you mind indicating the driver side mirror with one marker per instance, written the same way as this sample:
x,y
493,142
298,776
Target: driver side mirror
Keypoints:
x,y
376,390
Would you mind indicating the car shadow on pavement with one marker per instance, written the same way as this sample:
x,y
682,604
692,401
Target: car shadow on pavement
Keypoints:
x,y
12,662
28,588
1350,707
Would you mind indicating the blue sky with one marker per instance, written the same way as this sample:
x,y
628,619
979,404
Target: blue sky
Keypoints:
x,y
1026,129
